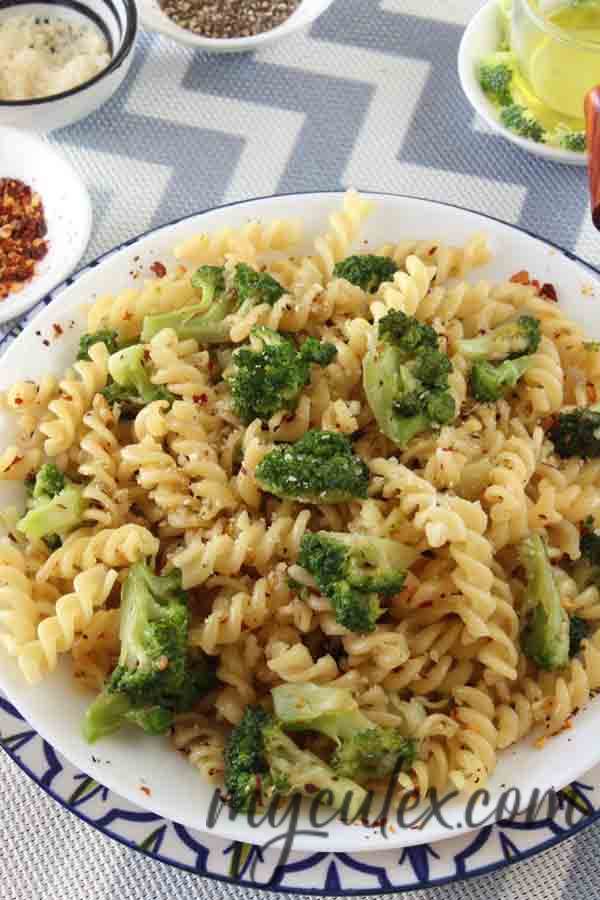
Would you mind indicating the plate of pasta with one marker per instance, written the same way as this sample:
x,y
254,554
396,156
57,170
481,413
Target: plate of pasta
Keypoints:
x,y
307,494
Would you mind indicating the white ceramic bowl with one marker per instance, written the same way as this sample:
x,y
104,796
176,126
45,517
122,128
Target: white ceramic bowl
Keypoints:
x,y
118,20
67,208
146,770
155,19
482,36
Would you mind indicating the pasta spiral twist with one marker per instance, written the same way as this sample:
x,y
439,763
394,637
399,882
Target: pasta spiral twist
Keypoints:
x,y
115,547
74,612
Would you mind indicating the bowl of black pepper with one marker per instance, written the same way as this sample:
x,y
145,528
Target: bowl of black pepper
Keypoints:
x,y
229,26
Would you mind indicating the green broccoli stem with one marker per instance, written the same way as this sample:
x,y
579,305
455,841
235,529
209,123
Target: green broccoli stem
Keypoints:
x,y
105,716
545,638
204,324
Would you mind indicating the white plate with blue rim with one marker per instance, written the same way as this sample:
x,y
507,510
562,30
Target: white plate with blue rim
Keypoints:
x,y
135,788
483,35
67,207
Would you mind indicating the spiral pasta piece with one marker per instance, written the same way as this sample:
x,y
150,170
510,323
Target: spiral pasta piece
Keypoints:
x,y
74,612
77,391
114,547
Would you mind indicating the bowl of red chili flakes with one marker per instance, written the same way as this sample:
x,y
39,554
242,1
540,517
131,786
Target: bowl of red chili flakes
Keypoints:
x,y
45,221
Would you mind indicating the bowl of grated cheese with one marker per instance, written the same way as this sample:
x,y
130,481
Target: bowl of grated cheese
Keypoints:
x,y
58,63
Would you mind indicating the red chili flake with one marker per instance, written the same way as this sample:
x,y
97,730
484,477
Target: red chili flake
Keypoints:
x,y
159,269
591,393
200,398
548,422
145,790
433,250
58,330
521,277
549,292
22,232
18,401
311,788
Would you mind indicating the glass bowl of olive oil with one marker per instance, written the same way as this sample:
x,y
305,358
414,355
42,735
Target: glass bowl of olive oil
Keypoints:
x,y
557,46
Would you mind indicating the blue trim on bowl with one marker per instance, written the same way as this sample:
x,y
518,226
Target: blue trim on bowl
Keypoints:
x,y
276,885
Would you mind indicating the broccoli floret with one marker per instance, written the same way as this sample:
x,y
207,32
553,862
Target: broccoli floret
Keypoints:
x,y
262,762
270,375
207,322
319,468
407,333
589,544
56,506
489,382
155,677
510,340
495,77
365,751
578,631
405,378
577,433
586,570
48,482
565,137
204,321
109,338
210,281
545,638
131,385
253,288
353,571
519,119
366,271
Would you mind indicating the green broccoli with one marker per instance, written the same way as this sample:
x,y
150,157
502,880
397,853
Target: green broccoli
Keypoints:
x,y
55,507
565,137
489,382
586,571
319,468
155,676
131,385
495,77
365,751
269,376
262,762
545,637
366,271
518,119
578,631
205,322
253,288
517,337
210,281
353,571
109,338
405,378
577,433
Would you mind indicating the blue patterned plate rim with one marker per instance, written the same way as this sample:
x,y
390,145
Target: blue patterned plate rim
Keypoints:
x,y
332,885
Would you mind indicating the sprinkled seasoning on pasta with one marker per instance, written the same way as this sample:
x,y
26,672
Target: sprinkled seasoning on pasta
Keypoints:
x,y
357,482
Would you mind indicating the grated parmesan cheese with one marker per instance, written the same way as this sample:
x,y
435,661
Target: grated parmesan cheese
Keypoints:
x,y
41,56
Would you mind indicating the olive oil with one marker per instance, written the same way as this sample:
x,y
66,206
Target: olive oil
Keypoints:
x,y
558,63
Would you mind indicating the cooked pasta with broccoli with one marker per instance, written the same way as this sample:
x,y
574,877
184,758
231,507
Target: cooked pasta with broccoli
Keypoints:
x,y
319,520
